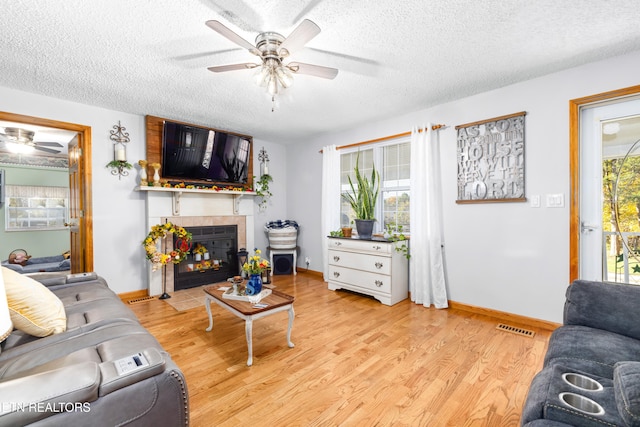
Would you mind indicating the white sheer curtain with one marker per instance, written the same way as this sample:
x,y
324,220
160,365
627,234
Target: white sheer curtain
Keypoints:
x,y
330,199
426,267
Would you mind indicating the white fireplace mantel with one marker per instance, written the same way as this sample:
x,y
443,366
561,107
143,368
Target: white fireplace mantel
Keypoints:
x,y
193,207
176,195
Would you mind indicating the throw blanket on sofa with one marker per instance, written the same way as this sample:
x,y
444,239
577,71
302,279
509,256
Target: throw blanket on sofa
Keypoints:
x,y
43,264
281,224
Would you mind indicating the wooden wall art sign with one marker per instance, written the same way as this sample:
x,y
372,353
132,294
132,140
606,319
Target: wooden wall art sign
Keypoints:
x,y
491,160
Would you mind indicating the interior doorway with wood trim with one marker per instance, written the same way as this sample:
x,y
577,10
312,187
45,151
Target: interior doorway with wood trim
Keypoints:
x,y
605,215
80,196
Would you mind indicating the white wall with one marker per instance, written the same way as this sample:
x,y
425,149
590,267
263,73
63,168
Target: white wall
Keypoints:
x,y
119,211
504,256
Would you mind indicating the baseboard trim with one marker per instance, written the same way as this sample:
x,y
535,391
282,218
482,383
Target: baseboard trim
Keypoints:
x,y
502,315
126,296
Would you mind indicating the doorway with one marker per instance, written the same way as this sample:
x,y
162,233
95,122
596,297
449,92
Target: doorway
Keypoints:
x,y
599,244
81,217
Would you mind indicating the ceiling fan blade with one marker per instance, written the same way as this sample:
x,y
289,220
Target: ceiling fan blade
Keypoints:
x,y
229,34
48,150
233,67
299,37
48,144
313,70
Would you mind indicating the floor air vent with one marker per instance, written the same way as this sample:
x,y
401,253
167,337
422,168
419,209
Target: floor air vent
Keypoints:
x,y
514,330
137,300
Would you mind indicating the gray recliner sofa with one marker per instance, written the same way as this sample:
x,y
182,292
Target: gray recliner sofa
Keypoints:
x,y
591,371
104,370
34,265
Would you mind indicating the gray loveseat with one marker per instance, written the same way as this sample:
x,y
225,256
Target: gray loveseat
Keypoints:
x,y
591,373
105,369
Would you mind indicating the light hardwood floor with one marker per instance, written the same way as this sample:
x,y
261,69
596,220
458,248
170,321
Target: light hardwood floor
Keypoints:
x,y
356,362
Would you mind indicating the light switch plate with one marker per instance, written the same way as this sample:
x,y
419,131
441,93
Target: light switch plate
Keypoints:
x,y
555,200
535,201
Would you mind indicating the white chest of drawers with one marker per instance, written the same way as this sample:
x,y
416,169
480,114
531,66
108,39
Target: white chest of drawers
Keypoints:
x,y
370,267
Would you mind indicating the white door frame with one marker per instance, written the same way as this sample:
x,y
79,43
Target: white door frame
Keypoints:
x,y
575,106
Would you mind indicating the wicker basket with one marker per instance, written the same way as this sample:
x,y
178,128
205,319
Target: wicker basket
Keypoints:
x,y
283,238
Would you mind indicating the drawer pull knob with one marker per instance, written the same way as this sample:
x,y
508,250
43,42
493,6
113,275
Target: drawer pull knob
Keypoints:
x,y
377,248
338,243
336,258
378,265
379,283
336,274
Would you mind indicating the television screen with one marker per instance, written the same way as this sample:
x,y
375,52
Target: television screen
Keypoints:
x,y
195,153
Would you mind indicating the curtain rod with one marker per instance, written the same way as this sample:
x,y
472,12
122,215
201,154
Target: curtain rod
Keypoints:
x,y
385,138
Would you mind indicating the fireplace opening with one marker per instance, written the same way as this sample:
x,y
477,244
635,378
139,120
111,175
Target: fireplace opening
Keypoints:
x,y
218,262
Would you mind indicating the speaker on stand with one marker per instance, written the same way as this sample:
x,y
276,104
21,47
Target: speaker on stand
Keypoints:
x,y
282,264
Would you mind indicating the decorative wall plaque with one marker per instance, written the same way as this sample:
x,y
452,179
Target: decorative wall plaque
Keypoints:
x,y
491,160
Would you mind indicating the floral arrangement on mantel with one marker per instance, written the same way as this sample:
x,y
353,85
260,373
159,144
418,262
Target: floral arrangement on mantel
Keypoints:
x,y
176,255
186,186
255,264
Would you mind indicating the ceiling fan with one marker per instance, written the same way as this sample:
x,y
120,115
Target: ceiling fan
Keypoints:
x,y
272,48
21,141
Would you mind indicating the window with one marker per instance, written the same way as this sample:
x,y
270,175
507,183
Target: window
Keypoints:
x,y
392,162
36,208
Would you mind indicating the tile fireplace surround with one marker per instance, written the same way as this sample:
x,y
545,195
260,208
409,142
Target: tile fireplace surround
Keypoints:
x,y
197,209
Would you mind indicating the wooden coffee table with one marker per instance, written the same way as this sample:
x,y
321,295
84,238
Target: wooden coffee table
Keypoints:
x,y
277,302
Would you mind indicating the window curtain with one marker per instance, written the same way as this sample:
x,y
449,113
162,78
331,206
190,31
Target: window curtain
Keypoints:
x,y
36,191
426,267
330,199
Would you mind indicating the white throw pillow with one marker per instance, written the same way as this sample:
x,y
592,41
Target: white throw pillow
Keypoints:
x,y
34,309
6,325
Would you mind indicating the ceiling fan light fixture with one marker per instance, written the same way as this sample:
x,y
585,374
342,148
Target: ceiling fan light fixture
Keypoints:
x,y
272,48
19,148
611,128
262,76
284,76
272,86
19,135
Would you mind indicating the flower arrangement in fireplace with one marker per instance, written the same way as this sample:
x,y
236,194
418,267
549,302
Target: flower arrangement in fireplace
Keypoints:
x,y
255,264
200,249
176,255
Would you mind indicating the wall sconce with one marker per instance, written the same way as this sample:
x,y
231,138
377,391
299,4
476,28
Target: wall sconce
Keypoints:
x,y
119,164
262,184
263,157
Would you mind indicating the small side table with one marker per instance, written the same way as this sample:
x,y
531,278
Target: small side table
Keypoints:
x,y
291,251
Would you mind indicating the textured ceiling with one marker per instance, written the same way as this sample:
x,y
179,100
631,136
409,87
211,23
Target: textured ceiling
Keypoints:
x,y
151,57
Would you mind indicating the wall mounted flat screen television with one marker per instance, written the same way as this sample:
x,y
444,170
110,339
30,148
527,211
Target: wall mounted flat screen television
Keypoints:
x,y
192,153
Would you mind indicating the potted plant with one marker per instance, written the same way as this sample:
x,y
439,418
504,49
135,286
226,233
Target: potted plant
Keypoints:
x,y
362,198
263,191
393,233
